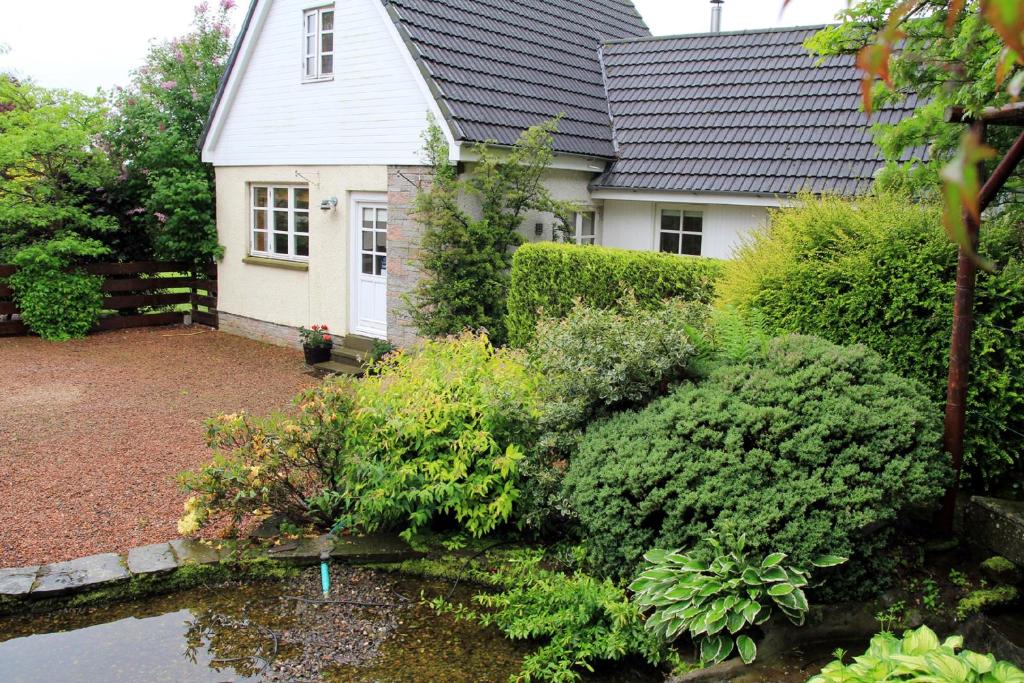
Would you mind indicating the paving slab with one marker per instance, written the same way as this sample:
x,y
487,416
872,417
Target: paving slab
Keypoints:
x,y
373,549
17,581
301,552
188,551
84,573
997,525
152,559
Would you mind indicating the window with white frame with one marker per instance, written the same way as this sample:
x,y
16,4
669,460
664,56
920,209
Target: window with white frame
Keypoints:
x,y
280,222
583,227
680,231
318,44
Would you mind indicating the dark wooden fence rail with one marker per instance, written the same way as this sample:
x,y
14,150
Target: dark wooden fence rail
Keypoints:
x,y
136,294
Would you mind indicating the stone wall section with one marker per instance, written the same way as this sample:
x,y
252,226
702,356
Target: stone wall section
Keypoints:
x,y
405,236
260,330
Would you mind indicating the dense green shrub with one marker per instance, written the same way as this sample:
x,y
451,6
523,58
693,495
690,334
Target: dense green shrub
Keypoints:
x,y
919,656
438,432
594,362
57,299
880,271
577,619
549,279
466,255
808,448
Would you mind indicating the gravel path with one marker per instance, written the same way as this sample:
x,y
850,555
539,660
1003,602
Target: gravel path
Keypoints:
x,y
93,432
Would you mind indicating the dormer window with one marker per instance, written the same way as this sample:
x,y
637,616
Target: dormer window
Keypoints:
x,y
318,44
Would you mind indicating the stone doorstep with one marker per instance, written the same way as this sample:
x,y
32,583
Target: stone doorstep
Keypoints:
x,y
77,575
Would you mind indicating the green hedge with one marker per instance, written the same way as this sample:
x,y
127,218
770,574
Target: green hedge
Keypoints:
x,y
881,272
807,448
548,278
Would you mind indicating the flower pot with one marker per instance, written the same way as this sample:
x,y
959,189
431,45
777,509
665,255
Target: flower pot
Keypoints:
x,y
316,354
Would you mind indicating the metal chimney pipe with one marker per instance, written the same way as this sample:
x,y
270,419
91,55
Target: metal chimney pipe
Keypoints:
x,y
716,16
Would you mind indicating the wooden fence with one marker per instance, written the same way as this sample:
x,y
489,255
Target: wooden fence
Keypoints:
x,y
136,294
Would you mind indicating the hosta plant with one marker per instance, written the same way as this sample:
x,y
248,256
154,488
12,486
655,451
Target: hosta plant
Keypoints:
x,y
919,656
716,598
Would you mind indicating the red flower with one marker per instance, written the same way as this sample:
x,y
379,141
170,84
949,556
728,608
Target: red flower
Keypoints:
x,y
327,337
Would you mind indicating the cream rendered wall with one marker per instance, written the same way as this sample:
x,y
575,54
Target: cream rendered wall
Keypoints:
x,y
373,110
570,186
278,295
631,225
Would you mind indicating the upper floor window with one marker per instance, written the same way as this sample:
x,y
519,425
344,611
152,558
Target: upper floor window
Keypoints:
x,y
318,44
680,232
280,222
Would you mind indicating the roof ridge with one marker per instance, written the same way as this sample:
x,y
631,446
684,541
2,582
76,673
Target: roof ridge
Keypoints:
x,y
708,34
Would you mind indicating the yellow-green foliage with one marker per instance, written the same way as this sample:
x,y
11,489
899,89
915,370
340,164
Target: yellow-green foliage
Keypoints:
x,y
440,430
549,279
985,598
880,271
919,656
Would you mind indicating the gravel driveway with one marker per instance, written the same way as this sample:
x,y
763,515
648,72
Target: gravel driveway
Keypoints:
x,y
93,432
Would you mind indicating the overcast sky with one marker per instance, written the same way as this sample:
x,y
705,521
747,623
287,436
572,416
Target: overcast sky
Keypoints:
x,y
97,42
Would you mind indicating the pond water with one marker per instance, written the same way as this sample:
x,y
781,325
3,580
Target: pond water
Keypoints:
x,y
269,632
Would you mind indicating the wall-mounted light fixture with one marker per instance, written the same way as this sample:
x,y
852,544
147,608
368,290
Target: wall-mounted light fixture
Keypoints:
x,y
538,229
329,204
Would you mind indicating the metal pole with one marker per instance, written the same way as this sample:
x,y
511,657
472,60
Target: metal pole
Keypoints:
x,y
960,358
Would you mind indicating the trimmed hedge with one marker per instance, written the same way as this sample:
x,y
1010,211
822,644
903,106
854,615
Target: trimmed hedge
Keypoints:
x,y
880,271
808,448
548,278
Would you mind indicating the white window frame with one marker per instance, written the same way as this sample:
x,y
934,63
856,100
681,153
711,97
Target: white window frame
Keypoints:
x,y
318,53
269,210
683,211
577,236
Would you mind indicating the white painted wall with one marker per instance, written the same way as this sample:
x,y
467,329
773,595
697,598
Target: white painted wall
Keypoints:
x,y
320,295
371,113
632,225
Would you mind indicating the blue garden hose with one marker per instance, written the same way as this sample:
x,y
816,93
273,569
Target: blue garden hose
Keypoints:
x,y
325,555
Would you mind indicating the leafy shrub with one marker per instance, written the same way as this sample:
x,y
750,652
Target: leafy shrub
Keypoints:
x,y
549,280
880,271
440,431
578,618
595,361
466,255
919,656
808,448
58,301
714,601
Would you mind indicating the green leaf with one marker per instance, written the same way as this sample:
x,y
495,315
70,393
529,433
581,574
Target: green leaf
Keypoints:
x,y
823,561
747,649
781,589
772,560
773,574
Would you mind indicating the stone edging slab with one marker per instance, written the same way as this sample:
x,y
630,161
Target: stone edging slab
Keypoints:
x,y
60,579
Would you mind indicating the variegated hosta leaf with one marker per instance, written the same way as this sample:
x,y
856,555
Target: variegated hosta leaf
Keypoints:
x,y
747,649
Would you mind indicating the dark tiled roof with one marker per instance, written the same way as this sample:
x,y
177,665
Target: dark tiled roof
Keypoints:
x,y
748,112
498,67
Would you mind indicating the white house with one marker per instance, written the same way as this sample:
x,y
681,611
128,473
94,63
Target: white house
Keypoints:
x,y
679,144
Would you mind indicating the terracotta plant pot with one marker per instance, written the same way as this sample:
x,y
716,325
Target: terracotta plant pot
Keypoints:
x,y
317,354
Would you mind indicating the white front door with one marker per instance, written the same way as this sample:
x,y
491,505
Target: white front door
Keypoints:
x,y
370,300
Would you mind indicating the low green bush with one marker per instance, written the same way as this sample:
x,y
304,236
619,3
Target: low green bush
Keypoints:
x,y
919,656
881,271
808,448
577,620
58,300
438,432
596,361
549,279
716,597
